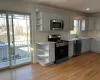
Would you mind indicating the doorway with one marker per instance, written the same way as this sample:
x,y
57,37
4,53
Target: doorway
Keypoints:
x,y
14,39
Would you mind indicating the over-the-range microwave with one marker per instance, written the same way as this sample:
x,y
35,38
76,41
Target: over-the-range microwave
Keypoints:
x,y
56,24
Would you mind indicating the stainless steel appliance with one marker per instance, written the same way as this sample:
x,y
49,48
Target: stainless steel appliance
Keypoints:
x,y
56,24
61,48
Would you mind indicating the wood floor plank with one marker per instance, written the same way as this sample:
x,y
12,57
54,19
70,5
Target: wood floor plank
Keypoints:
x,y
84,67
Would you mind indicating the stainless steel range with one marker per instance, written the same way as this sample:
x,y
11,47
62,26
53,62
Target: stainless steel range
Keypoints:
x,y
61,48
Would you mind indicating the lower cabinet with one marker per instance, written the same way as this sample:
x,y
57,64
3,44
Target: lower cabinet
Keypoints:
x,y
45,53
86,45
95,46
70,49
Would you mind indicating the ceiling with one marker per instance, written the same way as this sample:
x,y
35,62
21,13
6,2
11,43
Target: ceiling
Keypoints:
x,y
77,5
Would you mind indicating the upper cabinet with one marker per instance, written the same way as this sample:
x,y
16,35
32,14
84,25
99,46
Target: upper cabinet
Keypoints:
x,y
42,20
71,21
56,16
91,23
46,21
97,23
63,17
66,22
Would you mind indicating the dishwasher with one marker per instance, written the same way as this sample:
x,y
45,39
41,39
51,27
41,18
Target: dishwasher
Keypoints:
x,y
77,47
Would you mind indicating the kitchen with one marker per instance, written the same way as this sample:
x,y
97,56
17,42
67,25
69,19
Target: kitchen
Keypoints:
x,y
55,23
80,41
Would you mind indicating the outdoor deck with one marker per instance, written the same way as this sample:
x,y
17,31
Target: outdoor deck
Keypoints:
x,y
20,53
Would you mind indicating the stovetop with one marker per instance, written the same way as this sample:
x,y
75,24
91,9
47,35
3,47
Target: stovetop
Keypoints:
x,y
57,39
61,41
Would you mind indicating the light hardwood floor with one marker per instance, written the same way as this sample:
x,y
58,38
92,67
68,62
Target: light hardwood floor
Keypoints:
x,y
84,67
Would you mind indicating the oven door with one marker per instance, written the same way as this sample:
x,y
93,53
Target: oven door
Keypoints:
x,y
61,52
56,24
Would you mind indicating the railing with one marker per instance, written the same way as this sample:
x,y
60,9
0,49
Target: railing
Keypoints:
x,y
21,50
4,54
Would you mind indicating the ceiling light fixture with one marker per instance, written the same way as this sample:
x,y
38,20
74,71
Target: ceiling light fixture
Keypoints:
x,y
87,9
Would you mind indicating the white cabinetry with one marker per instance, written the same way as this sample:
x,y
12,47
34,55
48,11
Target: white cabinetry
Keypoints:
x,y
42,20
97,23
71,22
56,16
95,47
70,49
66,22
86,45
45,53
91,23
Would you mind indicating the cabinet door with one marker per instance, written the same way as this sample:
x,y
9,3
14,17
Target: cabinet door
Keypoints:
x,y
66,22
53,16
97,23
71,27
86,45
70,49
46,21
83,46
52,52
91,24
56,16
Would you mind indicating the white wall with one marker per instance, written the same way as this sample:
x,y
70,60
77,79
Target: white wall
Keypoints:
x,y
30,8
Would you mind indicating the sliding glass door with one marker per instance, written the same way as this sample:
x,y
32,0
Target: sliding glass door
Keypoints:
x,y
15,40
4,47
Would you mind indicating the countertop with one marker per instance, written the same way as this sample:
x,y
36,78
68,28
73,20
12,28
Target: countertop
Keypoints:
x,y
73,39
45,42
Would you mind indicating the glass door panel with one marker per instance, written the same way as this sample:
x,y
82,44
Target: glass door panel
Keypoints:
x,y
4,48
19,38
11,36
14,39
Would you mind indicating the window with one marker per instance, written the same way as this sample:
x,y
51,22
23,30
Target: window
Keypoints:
x,y
76,27
83,25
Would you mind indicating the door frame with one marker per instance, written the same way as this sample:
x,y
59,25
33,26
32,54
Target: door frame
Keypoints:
x,y
6,12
